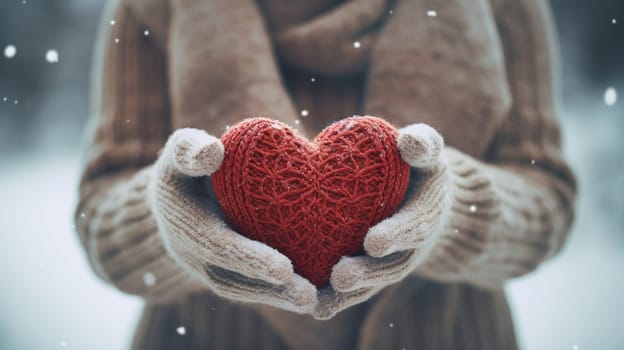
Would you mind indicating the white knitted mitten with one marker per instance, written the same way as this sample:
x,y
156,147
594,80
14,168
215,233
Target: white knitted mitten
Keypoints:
x,y
396,245
231,265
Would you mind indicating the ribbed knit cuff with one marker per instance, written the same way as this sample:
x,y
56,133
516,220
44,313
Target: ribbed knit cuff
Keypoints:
x,y
121,237
502,225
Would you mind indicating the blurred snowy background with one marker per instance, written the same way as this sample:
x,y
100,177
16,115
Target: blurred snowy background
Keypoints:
x,y
50,299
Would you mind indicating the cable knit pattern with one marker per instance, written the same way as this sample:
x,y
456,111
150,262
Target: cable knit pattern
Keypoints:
x,y
119,230
314,202
479,73
503,224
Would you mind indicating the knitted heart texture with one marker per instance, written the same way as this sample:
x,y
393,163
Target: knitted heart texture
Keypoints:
x,y
312,201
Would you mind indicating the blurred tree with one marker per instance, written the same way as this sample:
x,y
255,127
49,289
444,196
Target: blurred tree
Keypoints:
x,y
48,95
587,28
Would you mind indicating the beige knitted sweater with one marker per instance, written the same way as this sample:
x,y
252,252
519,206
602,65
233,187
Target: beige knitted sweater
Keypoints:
x,y
514,210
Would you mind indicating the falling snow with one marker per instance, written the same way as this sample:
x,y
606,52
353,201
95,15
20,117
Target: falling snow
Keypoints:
x,y
304,113
116,40
10,51
149,279
610,96
52,56
297,122
533,161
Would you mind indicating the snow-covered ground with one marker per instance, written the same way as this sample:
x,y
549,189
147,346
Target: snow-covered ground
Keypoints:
x,y
50,299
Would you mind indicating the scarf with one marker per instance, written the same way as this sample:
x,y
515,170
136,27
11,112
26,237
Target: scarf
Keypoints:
x,y
438,62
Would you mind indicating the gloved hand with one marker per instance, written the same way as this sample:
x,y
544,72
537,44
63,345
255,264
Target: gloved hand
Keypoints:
x,y
231,265
396,245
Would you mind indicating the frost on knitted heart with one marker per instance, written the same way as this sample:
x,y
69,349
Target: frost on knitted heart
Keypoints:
x,y
314,202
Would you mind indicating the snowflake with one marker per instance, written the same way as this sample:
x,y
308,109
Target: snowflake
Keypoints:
x,y
112,22
304,112
149,279
356,44
297,122
146,32
610,96
391,325
473,208
10,51
52,56
181,330
312,80
432,13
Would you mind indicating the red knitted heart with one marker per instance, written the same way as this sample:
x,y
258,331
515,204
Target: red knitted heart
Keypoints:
x,y
314,202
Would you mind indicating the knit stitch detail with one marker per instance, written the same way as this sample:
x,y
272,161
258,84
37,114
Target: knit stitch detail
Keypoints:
x,y
121,237
312,202
502,225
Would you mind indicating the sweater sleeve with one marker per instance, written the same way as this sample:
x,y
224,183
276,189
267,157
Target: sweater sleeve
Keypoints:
x,y
129,124
514,210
